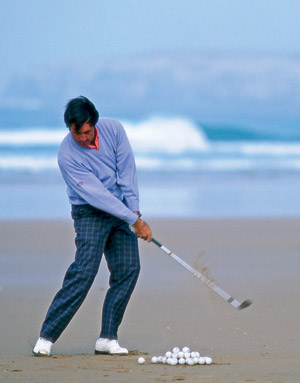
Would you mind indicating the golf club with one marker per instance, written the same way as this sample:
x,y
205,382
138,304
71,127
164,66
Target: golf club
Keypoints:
x,y
235,303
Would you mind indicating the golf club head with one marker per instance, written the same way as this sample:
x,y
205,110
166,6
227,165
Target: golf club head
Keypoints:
x,y
245,304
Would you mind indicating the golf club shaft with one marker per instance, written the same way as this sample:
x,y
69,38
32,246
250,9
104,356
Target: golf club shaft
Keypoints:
x,y
204,279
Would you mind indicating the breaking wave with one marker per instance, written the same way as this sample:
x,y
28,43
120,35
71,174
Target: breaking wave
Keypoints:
x,y
169,144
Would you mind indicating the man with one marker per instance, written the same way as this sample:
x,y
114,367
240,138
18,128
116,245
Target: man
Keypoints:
x,y
97,164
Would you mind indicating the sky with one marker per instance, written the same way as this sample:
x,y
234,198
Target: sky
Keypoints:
x,y
41,32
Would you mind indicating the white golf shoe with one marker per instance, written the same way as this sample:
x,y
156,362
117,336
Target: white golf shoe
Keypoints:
x,y
109,346
42,347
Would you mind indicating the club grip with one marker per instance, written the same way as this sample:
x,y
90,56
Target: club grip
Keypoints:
x,y
156,242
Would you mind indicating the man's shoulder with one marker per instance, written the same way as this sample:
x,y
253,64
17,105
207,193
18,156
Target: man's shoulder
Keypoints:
x,y
66,150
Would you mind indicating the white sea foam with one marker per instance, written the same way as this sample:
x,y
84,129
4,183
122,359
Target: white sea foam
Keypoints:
x,y
32,137
159,144
28,163
171,135
254,148
146,163
276,149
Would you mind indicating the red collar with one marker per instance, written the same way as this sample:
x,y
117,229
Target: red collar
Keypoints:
x,y
96,142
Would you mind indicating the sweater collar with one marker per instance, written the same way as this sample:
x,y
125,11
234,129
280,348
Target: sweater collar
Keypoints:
x,y
96,142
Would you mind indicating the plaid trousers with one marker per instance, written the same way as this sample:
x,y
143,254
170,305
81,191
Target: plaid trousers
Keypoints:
x,y
97,232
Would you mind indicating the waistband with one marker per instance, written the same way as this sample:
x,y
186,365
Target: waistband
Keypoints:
x,y
86,210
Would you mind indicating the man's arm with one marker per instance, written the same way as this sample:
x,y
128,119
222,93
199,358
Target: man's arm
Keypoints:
x,y
127,180
93,192
126,170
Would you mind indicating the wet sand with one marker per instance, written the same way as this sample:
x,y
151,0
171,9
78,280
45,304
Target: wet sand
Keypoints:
x,y
251,258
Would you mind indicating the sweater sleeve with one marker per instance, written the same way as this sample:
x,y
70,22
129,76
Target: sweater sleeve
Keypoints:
x,y
126,171
90,189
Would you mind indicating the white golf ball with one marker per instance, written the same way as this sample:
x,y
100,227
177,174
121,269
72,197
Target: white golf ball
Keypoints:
x,y
141,360
201,360
154,359
169,361
190,361
208,360
174,355
187,355
160,359
186,349
176,350
173,362
168,354
181,361
164,360
180,355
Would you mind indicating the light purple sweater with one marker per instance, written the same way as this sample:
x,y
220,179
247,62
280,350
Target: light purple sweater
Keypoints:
x,y
102,178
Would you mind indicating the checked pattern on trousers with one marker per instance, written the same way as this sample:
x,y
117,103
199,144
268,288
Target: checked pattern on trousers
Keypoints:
x,y
97,233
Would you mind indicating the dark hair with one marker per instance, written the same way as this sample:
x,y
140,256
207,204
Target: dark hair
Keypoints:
x,y
80,110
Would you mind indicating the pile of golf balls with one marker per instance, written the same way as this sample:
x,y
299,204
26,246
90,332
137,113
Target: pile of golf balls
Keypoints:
x,y
182,356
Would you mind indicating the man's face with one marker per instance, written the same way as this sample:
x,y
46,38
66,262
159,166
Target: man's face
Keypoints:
x,y
85,136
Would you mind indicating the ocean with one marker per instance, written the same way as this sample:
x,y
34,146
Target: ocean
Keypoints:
x,y
186,169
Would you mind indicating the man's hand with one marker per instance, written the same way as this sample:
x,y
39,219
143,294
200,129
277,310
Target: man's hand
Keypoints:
x,y
142,230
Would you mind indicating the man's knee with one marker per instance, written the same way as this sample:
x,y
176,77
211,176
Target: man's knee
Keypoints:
x,y
81,274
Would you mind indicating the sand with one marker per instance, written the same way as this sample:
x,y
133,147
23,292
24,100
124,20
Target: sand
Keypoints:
x,y
248,258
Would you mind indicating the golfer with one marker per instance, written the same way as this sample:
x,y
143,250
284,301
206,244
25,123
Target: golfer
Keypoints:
x,y
97,164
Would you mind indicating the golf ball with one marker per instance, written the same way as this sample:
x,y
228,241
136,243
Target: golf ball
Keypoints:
x,y
180,355
173,362
141,360
176,350
168,354
181,361
201,360
169,360
186,349
154,359
190,361
208,360
187,355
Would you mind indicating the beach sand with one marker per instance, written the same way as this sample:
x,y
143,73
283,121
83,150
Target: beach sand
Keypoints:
x,y
249,258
